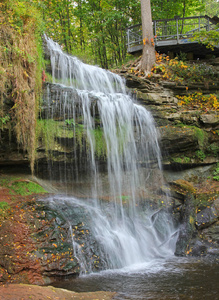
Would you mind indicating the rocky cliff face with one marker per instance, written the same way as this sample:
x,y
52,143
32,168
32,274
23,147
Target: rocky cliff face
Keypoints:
x,y
189,139
33,251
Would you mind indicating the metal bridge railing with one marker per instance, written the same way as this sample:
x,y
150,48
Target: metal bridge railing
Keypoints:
x,y
170,30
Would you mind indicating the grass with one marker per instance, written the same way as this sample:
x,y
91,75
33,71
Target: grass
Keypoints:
x,y
24,188
4,207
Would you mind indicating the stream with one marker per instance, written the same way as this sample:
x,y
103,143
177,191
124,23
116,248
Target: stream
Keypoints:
x,y
173,278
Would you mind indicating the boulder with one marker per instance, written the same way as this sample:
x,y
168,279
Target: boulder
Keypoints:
x,y
187,229
211,119
207,216
42,242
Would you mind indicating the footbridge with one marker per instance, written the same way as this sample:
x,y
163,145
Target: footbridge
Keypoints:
x,y
174,35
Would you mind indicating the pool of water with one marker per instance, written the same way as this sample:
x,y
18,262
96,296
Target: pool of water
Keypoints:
x,y
175,278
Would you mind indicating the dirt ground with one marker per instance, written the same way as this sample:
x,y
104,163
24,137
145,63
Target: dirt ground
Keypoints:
x,y
26,292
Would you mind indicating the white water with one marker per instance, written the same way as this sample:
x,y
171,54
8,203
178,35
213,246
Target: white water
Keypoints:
x,y
128,234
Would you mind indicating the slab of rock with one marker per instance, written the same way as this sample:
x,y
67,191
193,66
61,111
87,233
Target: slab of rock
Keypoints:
x,y
178,140
24,291
210,119
207,216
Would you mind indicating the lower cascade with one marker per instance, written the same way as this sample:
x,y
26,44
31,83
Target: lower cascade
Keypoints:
x,y
104,157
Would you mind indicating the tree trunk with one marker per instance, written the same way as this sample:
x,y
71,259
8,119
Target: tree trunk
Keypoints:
x,y
148,55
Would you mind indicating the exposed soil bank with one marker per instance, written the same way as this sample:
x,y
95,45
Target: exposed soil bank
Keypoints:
x,y
24,292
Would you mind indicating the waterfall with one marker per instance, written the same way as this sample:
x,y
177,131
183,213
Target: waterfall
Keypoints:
x,y
101,135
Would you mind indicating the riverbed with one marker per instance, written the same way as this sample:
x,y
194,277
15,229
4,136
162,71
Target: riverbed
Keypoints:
x,y
174,278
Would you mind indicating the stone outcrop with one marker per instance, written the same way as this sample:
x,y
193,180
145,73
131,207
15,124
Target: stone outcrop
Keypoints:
x,y
196,209
39,241
189,141
188,137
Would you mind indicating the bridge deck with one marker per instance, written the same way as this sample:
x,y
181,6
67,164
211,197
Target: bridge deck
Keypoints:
x,y
173,34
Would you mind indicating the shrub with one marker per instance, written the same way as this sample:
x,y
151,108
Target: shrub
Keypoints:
x,y
181,71
203,102
216,173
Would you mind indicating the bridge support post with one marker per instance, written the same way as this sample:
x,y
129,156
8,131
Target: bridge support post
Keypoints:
x,y
177,31
208,26
128,39
155,33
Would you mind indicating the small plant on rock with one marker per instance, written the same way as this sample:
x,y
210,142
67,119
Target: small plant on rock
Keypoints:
x,y
216,173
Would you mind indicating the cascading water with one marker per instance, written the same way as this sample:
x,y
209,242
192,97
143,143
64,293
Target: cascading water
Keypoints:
x,y
98,117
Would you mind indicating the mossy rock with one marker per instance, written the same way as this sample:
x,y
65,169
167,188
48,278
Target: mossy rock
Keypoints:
x,y
205,199
207,216
182,187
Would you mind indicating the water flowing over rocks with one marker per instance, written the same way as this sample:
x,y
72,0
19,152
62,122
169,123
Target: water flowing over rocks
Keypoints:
x,y
51,243
38,243
190,149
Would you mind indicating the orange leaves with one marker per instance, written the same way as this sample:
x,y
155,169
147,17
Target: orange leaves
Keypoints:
x,y
145,41
198,100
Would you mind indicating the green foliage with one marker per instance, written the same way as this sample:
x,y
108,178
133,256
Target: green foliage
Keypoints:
x,y
125,198
201,136
214,148
24,188
70,122
191,72
49,132
200,154
21,66
100,144
203,102
209,38
216,173
17,186
4,206
182,56
183,159
4,120
211,8
182,72
4,209
93,30
165,9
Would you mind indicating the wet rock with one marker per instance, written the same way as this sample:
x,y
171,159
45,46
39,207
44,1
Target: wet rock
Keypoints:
x,y
178,140
207,216
199,248
212,233
141,84
187,229
42,242
210,119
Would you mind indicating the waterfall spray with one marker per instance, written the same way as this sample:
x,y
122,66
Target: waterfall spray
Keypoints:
x,y
126,227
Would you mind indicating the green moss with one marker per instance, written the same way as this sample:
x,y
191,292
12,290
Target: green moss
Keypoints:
x,y
182,159
205,199
24,188
51,133
100,144
4,206
17,186
214,148
200,155
216,173
202,137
